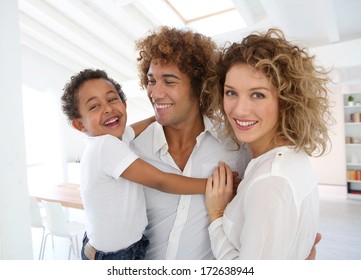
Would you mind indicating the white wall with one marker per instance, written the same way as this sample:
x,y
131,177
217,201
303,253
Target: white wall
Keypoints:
x,y
330,168
15,234
345,60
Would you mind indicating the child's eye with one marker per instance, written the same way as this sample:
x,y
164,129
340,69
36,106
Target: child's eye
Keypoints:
x,y
114,99
93,107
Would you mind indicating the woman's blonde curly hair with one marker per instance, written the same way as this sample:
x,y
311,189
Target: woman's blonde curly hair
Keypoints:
x,y
304,113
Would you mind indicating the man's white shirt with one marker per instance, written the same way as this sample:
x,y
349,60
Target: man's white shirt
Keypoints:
x,y
178,224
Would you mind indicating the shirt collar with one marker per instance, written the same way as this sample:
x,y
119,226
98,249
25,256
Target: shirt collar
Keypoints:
x,y
160,142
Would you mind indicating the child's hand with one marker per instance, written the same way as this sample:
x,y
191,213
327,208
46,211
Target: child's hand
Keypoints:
x,y
219,191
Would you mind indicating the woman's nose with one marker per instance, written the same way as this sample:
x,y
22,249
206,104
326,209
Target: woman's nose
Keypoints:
x,y
242,106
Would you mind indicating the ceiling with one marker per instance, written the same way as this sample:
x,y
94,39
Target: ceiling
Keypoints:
x,y
101,33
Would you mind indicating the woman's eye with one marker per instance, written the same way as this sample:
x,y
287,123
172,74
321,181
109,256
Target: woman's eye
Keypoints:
x,y
258,95
151,82
169,82
229,93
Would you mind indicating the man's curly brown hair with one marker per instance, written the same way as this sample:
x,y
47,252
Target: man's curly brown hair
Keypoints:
x,y
195,55
70,102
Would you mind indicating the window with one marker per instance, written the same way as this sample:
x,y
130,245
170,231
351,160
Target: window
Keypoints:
x,y
210,17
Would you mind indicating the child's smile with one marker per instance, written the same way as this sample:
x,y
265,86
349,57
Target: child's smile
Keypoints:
x,y
101,109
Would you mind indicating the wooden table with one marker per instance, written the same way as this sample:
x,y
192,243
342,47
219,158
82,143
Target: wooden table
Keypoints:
x,y
67,194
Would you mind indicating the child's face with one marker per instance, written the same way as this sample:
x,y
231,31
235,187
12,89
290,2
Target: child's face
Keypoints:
x,y
101,109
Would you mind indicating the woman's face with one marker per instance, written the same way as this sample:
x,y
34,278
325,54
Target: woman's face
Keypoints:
x,y
251,105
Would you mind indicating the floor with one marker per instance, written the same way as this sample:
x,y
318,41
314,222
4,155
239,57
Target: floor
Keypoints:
x,y
340,226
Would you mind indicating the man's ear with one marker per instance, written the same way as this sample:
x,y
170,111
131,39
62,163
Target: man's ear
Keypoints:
x,y
78,125
125,104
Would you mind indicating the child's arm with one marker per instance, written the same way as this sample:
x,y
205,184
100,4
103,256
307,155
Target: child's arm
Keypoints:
x,y
143,173
140,126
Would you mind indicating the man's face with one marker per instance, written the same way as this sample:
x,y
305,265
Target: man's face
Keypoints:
x,y
170,92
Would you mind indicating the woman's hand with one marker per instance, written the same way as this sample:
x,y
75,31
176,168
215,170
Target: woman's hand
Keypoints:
x,y
219,191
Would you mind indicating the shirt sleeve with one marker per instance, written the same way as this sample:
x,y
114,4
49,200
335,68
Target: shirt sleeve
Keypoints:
x,y
270,222
128,135
115,156
222,248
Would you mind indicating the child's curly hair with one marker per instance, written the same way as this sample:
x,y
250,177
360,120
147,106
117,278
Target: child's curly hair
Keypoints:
x,y
304,113
195,55
70,103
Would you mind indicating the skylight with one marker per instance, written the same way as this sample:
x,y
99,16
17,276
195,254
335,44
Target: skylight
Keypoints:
x,y
209,17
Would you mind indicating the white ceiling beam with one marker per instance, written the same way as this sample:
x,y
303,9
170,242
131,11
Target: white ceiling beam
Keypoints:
x,y
159,12
50,53
87,22
329,18
79,40
120,3
50,39
339,55
274,14
245,11
97,23
115,11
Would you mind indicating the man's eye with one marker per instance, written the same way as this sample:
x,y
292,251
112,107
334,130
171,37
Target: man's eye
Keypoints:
x,y
151,82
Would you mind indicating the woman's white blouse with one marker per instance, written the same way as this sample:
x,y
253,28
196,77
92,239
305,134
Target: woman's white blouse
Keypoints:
x,y
275,212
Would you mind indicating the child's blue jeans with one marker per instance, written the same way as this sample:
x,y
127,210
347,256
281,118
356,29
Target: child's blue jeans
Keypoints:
x,y
135,251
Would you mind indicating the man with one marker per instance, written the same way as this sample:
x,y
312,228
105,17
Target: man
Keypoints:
x,y
174,67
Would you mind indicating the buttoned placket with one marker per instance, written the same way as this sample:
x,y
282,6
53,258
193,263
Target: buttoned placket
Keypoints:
x,y
182,214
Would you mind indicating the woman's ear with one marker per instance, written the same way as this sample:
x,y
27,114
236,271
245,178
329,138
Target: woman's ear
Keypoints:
x,y
78,125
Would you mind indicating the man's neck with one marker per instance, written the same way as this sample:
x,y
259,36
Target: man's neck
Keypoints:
x,y
182,139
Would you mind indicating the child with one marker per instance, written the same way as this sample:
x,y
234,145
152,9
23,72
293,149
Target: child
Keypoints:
x,y
114,207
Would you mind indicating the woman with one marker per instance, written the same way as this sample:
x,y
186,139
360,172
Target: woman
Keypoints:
x,y
275,100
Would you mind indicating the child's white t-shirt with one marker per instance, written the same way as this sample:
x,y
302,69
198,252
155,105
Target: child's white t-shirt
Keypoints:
x,y
114,207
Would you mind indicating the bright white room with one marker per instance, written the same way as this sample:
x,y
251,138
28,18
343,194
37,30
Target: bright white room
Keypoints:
x,y
45,42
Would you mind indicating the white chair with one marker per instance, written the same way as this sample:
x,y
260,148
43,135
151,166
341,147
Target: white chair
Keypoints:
x,y
58,225
37,221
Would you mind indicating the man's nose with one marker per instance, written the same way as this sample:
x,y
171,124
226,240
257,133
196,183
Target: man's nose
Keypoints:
x,y
156,92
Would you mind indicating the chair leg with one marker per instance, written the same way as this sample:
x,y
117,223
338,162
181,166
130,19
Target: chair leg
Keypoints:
x,y
46,237
77,247
71,246
41,245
